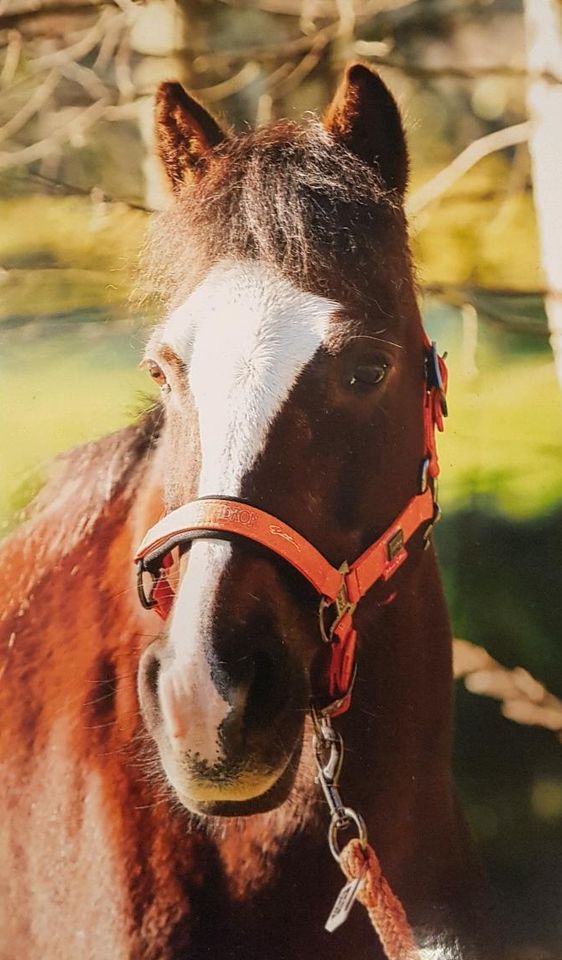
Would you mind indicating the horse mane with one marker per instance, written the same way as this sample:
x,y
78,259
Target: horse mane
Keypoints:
x,y
287,195
83,483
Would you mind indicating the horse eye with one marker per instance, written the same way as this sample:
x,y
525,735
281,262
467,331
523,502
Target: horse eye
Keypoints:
x,y
369,374
156,373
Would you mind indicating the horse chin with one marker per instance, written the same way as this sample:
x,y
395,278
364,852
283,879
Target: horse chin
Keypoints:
x,y
244,796
272,798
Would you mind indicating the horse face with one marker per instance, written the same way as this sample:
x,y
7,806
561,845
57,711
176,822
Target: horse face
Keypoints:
x,y
302,396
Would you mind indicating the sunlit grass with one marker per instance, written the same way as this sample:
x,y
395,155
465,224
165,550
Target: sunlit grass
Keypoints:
x,y
58,392
503,439
481,232
502,444
59,254
73,257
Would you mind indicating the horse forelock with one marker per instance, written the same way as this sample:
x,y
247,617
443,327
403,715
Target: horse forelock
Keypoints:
x,y
288,196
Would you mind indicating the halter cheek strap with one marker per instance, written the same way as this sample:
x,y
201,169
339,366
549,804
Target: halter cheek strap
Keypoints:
x,y
340,589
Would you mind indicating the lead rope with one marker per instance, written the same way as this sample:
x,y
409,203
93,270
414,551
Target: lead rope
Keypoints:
x,y
385,909
358,860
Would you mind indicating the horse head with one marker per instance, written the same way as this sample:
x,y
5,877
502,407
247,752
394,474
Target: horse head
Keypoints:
x,y
291,367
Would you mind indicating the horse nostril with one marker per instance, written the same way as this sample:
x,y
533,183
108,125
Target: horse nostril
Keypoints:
x,y
266,689
151,674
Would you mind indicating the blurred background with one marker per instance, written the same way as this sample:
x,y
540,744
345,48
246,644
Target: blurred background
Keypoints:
x,y
480,83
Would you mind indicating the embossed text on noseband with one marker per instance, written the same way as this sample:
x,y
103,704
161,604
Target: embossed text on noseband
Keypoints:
x,y
214,513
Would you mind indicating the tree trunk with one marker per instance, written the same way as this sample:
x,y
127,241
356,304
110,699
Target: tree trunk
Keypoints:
x,y
544,57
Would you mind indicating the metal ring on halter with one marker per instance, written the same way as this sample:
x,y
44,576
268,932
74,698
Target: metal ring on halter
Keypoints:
x,y
340,819
424,474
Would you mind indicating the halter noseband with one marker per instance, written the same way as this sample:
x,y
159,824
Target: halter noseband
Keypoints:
x,y
340,589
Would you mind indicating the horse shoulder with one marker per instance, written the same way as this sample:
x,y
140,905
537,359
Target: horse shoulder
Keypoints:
x,y
82,819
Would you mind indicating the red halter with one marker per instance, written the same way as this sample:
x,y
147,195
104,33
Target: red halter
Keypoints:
x,y
340,589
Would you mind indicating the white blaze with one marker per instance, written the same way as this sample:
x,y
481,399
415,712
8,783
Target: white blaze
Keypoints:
x,y
245,335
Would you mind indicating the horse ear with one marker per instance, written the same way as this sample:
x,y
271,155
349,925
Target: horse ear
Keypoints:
x,y
364,117
185,132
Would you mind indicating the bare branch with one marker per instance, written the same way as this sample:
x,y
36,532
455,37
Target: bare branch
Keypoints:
x,y
42,148
315,9
86,78
288,77
275,78
18,8
219,91
264,109
14,13
322,9
369,49
39,97
524,700
123,74
266,53
109,43
297,74
466,290
73,190
12,58
81,48
347,15
476,151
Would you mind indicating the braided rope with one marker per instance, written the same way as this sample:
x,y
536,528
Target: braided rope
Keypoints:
x,y
523,699
385,910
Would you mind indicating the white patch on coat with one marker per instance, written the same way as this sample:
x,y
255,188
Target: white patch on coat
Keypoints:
x,y
192,707
245,335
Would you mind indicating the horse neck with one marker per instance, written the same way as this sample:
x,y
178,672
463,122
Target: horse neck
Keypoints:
x,y
397,737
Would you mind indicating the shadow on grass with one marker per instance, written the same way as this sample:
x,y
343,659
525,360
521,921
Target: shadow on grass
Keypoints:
x,y
504,586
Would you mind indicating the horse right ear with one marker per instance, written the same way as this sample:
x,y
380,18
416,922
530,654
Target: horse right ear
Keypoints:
x,y
185,132
364,118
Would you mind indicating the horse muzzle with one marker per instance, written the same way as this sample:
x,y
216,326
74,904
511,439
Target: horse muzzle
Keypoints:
x,y
228,724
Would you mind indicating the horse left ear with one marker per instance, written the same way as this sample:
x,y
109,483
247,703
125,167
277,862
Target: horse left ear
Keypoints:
x,y
185,132
364,117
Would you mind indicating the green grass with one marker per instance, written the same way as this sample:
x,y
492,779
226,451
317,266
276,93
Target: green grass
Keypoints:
x,y
72,257
502,444
57,391
59,254
503,439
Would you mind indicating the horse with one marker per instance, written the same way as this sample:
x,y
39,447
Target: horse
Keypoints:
x,y
158,773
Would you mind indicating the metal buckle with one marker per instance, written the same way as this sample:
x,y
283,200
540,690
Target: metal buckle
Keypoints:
x,y
434,379
434,521
343,605
395,545
147,600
